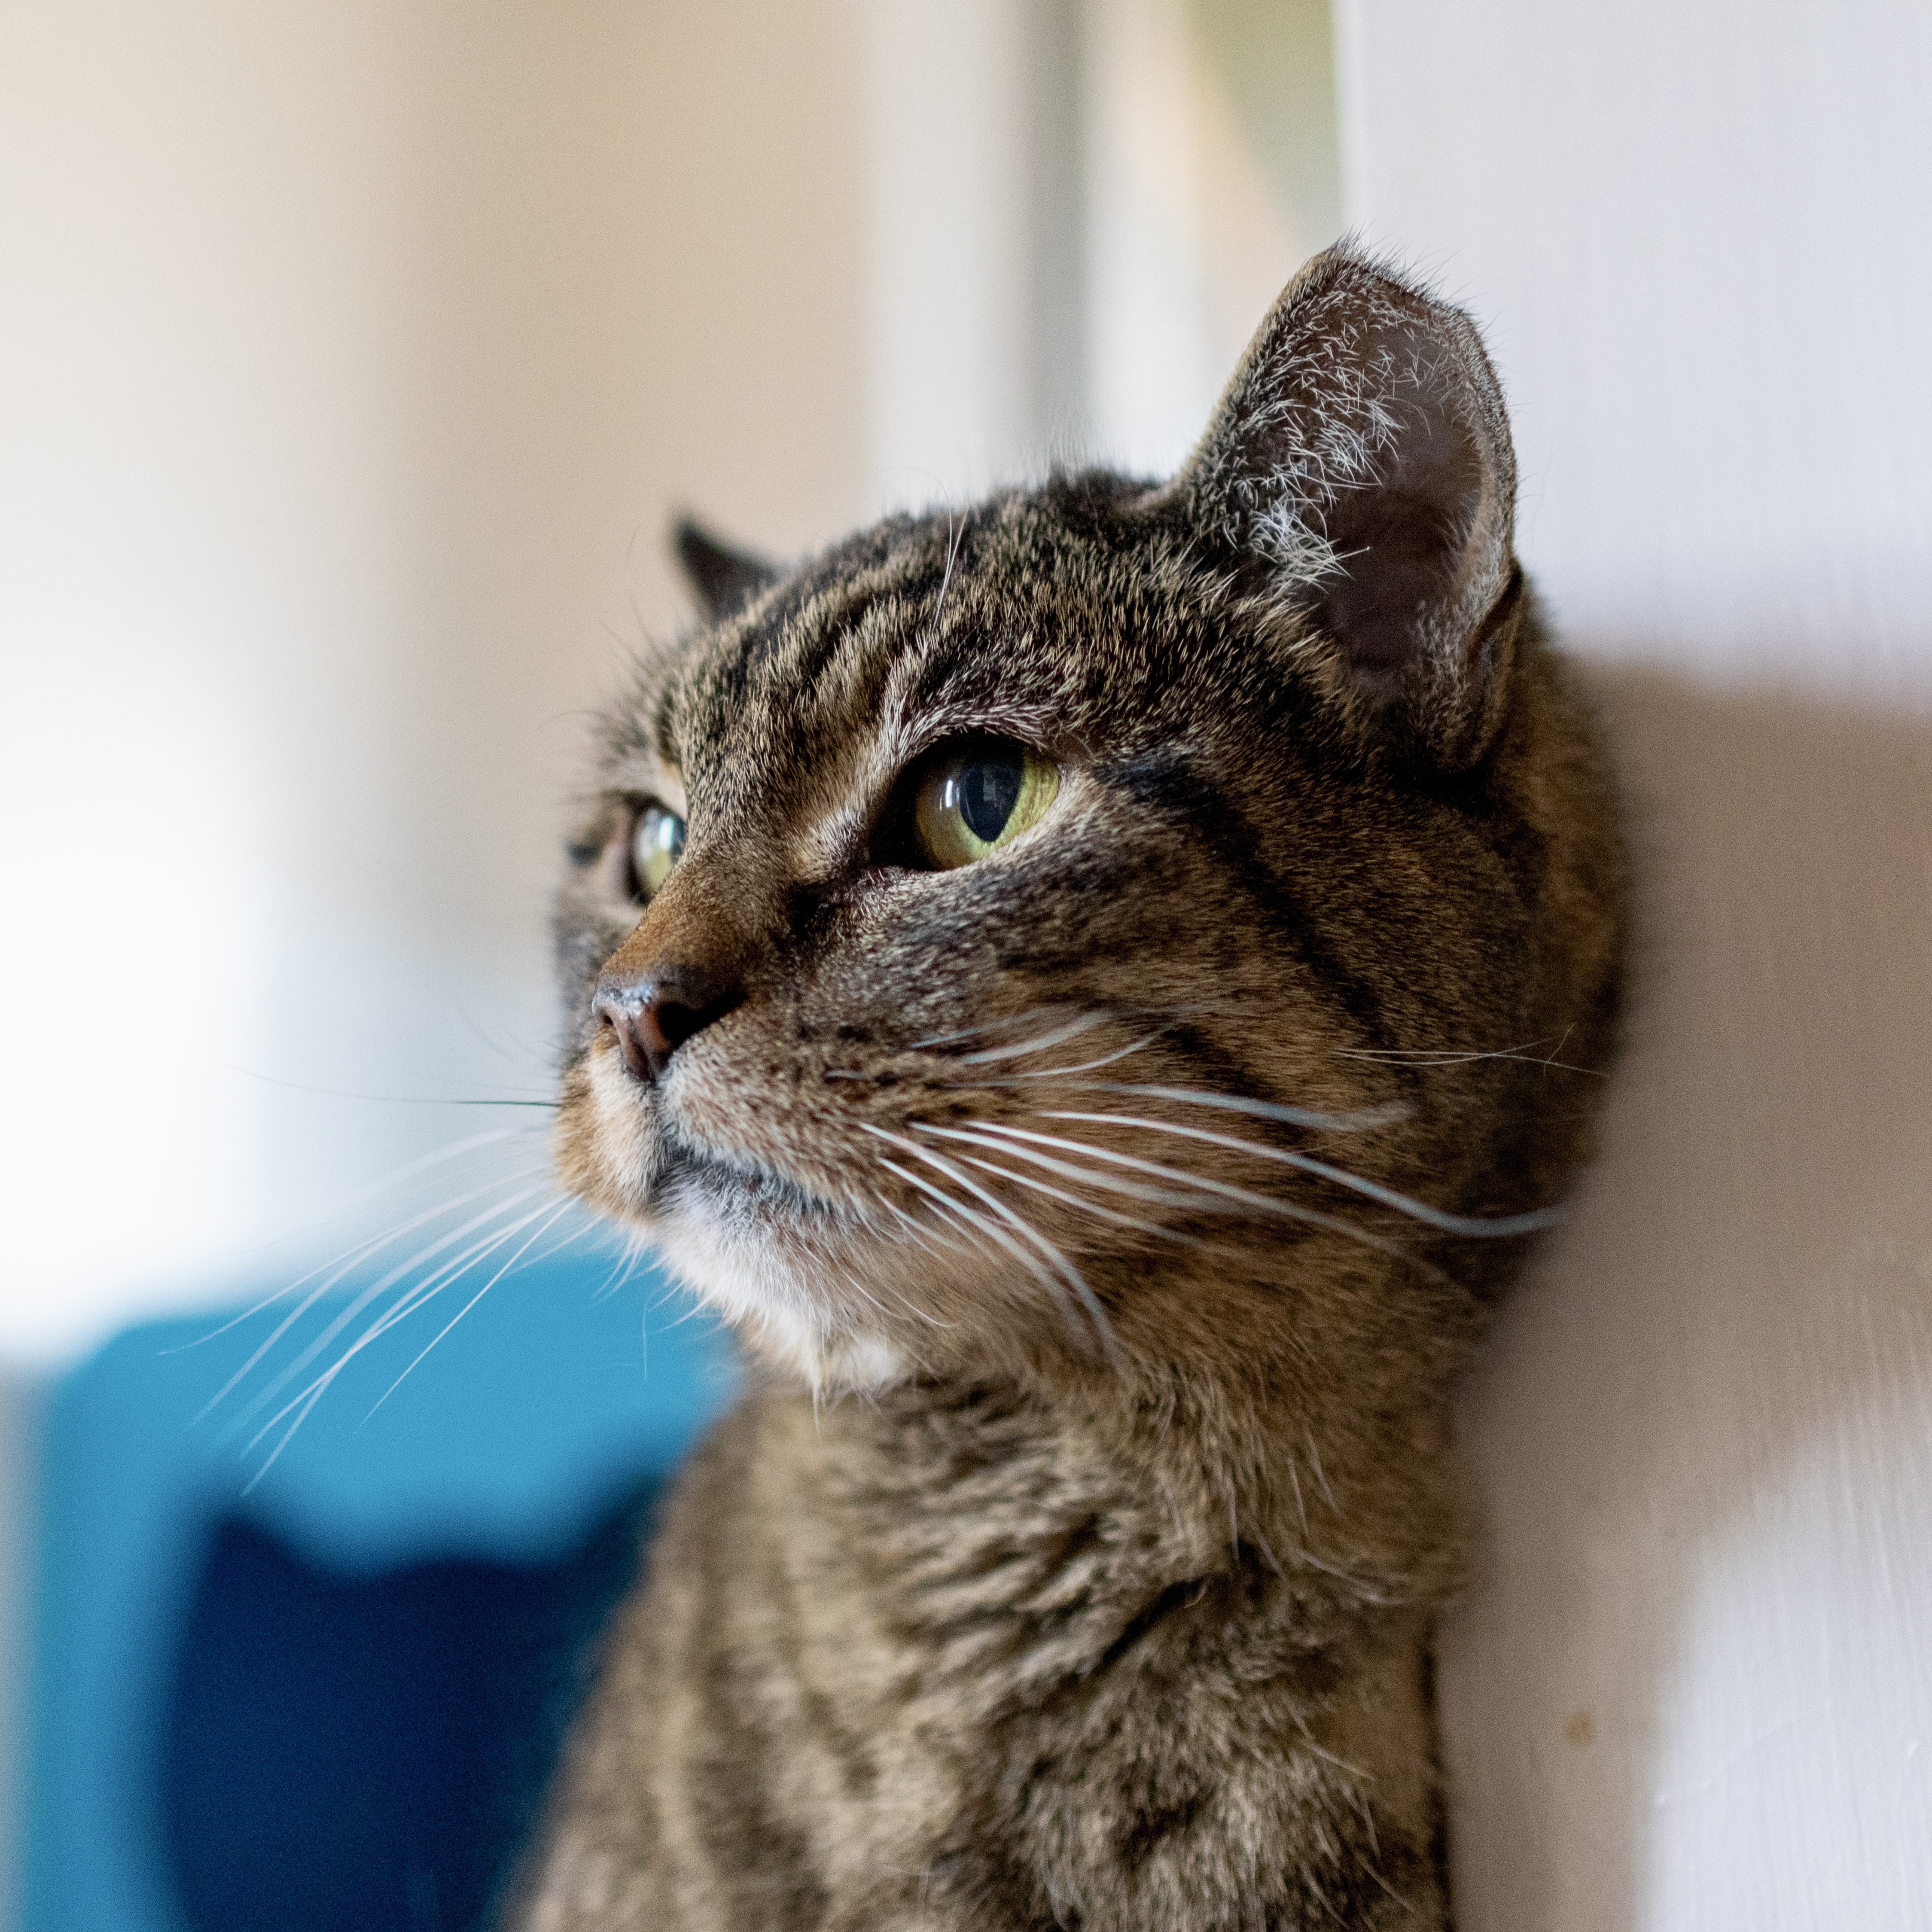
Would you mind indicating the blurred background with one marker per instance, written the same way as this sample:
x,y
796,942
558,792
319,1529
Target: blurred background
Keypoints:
x,y
353,361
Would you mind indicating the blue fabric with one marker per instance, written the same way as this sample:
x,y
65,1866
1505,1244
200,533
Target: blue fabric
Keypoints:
x,y
328,1702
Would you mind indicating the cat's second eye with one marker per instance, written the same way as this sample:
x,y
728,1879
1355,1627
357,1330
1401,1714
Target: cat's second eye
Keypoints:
x,y
656,845
972,801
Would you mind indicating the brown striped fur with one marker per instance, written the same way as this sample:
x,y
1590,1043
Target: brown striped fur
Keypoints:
x,y
1072,1559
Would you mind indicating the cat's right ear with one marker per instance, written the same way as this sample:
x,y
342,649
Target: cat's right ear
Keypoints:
x,y
723,580
1357,473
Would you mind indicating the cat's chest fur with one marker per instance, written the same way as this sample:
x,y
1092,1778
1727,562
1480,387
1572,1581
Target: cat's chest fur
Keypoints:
x,y
1100,989
929,1663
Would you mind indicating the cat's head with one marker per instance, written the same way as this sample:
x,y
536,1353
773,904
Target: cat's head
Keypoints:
x,y
1115,922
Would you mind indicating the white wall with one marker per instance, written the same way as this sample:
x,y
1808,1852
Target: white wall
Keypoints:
x,y
952,147
1077,210
1692,1684
1695,233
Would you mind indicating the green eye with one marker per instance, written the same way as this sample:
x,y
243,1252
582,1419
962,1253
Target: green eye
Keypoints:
x,y
979,800
656,846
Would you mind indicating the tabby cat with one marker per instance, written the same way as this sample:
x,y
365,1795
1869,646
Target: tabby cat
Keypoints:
x,y
1073,981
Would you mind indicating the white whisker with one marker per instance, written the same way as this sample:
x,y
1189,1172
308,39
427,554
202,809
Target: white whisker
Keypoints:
x,y
914,1310
1093,1207
556,1214
357,1250
1495,1227
418,1293
1083,1066
1523,1052
920,1234
1072,1029
1264,1204
1357,1122
1011,1021
306,1399
1071,1275
968,1224
632,1250
344,1265
585,1225
1191,1197
973,1224
1061,1194
1314,1458
362,1301
953,539
859,1288
974,1032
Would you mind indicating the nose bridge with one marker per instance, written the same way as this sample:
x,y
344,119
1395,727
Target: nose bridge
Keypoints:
x,y
712,916
691,958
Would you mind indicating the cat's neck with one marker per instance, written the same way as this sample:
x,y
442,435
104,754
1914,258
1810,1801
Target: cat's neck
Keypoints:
x,y
1087,1507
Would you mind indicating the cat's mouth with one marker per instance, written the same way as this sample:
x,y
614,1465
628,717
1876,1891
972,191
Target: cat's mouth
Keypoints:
x,y
735,1188
631,1155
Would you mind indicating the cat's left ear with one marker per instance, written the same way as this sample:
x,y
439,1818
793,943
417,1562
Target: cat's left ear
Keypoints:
x,y
1359,468
723,580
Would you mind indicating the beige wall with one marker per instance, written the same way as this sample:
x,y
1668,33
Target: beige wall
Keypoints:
x,y
352,359
1212,174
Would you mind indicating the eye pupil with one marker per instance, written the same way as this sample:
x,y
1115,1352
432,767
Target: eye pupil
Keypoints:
x,y
985,793
976,798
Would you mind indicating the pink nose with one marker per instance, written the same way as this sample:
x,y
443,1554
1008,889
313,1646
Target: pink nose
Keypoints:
x,y
656,1012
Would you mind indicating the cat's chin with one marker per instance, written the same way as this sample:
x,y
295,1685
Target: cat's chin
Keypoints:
x,y
783,1315
746,1239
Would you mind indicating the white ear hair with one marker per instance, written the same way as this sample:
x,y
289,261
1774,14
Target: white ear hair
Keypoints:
x,y
1359,469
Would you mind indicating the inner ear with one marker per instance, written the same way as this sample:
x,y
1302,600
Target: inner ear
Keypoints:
x,y
1400,537
1360,465
723,580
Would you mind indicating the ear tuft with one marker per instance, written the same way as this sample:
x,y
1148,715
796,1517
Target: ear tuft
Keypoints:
x,y
1359,464
723,580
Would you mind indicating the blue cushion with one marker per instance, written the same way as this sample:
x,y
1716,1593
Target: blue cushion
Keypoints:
x,y
322,1691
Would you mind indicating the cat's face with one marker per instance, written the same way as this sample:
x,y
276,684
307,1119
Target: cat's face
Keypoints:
x,y
1036,934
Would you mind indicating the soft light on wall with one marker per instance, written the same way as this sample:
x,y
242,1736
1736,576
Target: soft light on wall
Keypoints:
x,y
353,363
1690,1686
